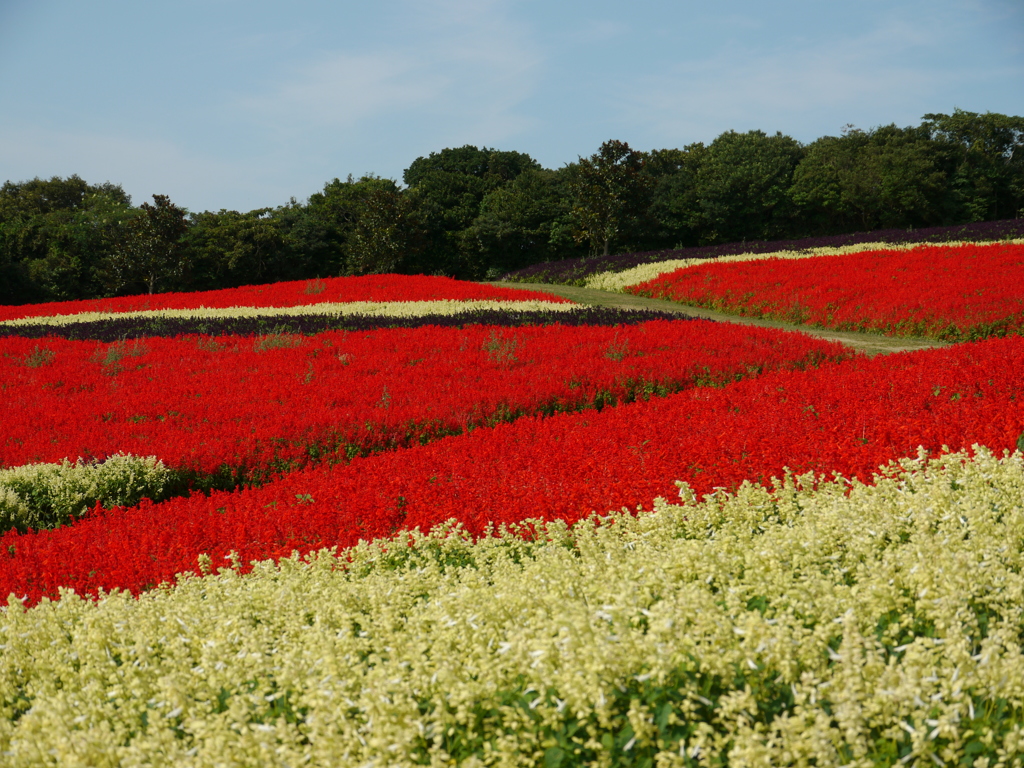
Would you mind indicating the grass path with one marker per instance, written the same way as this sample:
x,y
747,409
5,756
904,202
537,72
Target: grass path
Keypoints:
x,y
869,343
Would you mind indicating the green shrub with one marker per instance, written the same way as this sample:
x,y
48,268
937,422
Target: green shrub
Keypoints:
x,y
50,495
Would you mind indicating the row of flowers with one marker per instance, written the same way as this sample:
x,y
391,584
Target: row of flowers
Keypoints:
x,y
239,409
296,293
296,321
841,624
580,271
951,293
848,417
621,281
416,309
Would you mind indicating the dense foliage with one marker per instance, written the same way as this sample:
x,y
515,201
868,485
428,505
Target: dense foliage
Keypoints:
x,y
478,213
48,495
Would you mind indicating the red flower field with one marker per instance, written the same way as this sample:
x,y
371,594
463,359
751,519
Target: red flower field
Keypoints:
x,y
951,293
246,407
847,417
296,293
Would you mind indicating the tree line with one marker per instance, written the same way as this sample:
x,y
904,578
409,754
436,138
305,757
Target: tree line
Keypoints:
x,y
477,213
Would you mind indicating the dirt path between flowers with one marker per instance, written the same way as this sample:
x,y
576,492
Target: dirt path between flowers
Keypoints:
x,y
869,343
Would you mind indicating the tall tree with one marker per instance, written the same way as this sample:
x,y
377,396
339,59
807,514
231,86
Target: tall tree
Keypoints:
x,y
447,189
371,223
228,248
988,153
519,222
675,208
78,243
610,193
883,178
742,185
150,256
54,234
823,187
385,237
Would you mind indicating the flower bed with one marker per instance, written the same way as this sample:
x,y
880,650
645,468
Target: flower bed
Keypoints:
x,y
951,293
300,321
244,408
849,417
295,293
844,624
580,271
805,622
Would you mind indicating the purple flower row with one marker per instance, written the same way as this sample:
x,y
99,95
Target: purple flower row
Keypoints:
x,y
118,328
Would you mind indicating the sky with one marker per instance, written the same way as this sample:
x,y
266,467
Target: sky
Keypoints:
x,y
245,104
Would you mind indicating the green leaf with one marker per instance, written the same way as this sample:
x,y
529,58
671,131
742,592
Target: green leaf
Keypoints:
x,y
553,757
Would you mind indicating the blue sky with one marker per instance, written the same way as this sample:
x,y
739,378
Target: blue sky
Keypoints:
x,y
242,104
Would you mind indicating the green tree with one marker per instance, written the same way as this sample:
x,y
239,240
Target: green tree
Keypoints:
x,y
78,243
742,187
151,254
290,242
884,178
675,207
228,249
312,244
987,150
209,241
519,223
337,205
371,224
385,237
610,193
447,189
258,244
54,235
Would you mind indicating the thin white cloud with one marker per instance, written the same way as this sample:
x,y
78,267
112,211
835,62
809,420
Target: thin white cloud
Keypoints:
x,y
343,90
596,31
132,162
874,74
467,66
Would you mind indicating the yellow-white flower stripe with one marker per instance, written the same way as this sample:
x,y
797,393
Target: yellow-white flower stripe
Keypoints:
x,y
618,281
879,615
387,308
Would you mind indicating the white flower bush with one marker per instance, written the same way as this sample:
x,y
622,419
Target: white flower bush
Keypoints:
x,y
815,623
47,495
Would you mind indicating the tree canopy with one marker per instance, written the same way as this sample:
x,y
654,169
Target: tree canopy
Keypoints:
x,y
610,194
478,212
